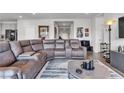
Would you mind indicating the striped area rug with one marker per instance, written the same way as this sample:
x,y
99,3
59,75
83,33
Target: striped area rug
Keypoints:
x,y
56,69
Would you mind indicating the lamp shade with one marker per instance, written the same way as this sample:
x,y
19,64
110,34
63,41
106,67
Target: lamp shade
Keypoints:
x,y
110,22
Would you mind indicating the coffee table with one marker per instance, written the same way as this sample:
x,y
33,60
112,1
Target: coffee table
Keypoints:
x,y
101,71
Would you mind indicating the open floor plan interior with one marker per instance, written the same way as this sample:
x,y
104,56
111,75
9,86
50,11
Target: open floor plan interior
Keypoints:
x,y
61,45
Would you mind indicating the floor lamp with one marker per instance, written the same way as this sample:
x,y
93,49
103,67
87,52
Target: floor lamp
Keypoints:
x,y
109,23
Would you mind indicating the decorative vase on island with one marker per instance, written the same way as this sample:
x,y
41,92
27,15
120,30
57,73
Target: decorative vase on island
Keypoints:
x,y
119,49
123,48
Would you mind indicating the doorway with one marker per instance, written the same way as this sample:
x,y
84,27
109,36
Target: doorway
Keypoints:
x,y
11,35
63,29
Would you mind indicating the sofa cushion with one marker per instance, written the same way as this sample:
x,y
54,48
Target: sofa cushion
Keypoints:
x,y
74,43
26,54
60,52
36,57
49,44
29,68
44,55
77,53
4,46
59,41
50,53
10,73
36,44
26,46
49,41
16,48
60,44
6,55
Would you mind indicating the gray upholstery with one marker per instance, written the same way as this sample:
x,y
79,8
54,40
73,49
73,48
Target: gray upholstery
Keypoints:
x,y
60,44
60,48
77,51
6,55
12,69
10,73
36,44
49,44
34,56
29,69
24,59
60,53
26,46
74,43
49,47
50,53
32,46
16,48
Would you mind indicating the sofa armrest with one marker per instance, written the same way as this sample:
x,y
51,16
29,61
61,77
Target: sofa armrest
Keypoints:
x,y
10,73
68,52
34,57
85,51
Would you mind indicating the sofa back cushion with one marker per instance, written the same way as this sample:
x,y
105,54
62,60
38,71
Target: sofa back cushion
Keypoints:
x,y
36,44
60,44
26,46
74,43
6,55
49,44
16,48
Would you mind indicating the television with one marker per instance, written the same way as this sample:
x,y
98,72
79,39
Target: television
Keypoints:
x,y
121,27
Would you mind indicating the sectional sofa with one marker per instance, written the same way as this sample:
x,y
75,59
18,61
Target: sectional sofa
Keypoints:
x,y
24,59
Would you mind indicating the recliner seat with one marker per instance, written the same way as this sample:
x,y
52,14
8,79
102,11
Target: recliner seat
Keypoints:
x,y
49,47
60,50
11,68
77,51
25,58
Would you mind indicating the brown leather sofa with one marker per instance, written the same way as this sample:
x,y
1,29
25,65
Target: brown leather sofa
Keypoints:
x,y
14,69
77,51
25,58
24,51
49,47
60,49
37,49
64,49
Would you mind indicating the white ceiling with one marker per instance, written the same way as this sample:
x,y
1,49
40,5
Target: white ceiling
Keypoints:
x,y
15,16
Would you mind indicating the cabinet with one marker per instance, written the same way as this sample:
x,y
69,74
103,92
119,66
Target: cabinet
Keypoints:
x,y
117,60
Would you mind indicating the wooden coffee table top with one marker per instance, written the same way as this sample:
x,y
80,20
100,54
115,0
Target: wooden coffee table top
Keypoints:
x,y
101,71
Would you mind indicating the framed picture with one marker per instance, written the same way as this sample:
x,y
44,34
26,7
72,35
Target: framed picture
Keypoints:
x,y
86,30
86,34
43,31
79,32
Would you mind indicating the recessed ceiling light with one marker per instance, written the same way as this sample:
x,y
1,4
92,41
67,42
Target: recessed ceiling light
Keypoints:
x,y
20,16
34,13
